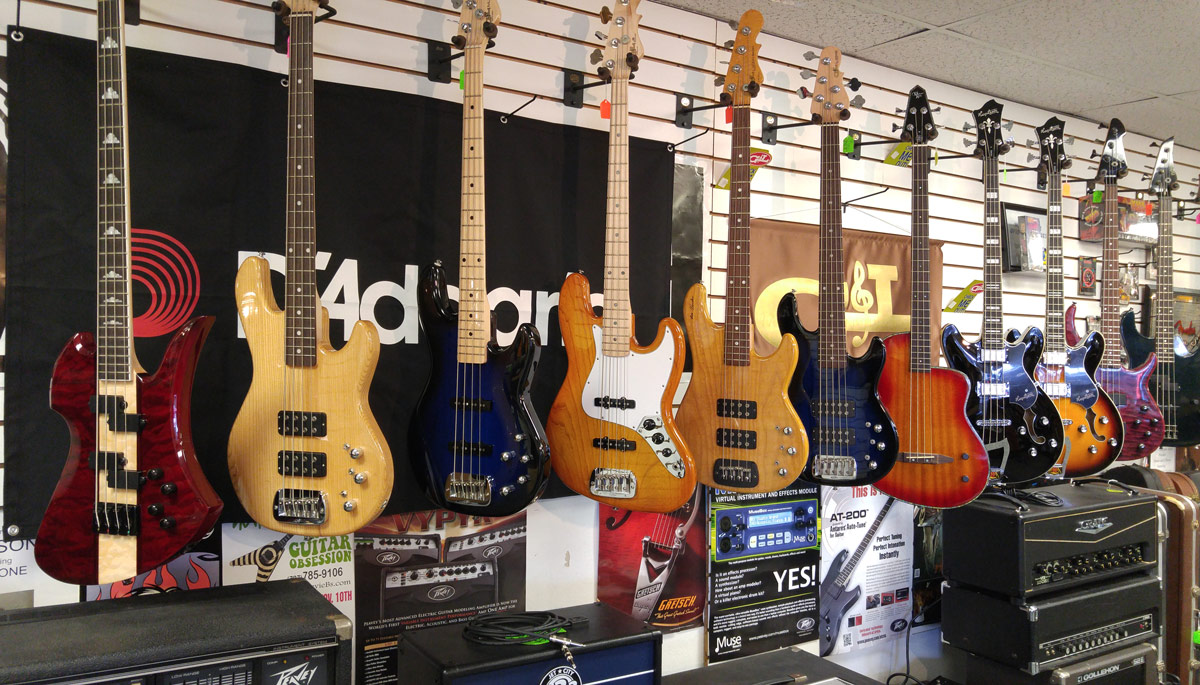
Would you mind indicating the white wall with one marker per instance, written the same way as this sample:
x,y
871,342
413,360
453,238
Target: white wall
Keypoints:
x,y
380,43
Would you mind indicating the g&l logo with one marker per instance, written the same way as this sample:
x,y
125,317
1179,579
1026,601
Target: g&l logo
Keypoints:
x,y
860,295
977,288
760,158
166,268
440,593
493,552
388,558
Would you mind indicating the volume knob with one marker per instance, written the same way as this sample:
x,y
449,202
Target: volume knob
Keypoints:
x,y
168,488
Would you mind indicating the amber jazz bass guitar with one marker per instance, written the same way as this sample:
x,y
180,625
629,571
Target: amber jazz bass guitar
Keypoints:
x,y
612,427
476,444
942,461
852,440
1129,388
1018,423
744,434
1093,429
131,496
305,454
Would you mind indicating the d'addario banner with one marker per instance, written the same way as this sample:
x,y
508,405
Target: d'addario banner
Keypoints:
x,y
878,286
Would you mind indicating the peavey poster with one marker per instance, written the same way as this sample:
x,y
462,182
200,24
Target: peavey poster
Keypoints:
x,y
431,568
652,566
762,580
866,568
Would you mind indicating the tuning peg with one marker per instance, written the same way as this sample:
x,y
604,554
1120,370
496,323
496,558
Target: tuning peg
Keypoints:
x,y
899,110
1093,154
854,84
605,15
806,73
1102,126
597,55
1154,144
1008,125
456,4
810,55
729,44
937,109
857,101
601,37
733,24
968,142
1069,140
1031,142
968,126
1032,157
804,93
719,81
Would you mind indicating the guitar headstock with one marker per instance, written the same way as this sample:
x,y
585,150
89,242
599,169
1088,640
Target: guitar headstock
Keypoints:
x,y
622,47
829,93
744,77
1112,160
1163,180
919,128
477,22
1052,146
989,141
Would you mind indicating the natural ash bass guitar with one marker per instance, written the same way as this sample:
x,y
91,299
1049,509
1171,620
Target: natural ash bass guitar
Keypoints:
x,y
942,461
612,428
736,417
835,600
131,495
1093,429
476,444
852,440
305,454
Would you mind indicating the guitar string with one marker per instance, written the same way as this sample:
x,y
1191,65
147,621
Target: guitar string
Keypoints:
x,y
102,263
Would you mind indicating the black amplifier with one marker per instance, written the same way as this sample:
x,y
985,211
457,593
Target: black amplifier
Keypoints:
x,y
503,545
441,587
1023,548
1134,665
195,637
1045,632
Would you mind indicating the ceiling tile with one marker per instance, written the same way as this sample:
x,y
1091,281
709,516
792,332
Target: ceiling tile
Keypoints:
x,y
942,12
1157,118
970,64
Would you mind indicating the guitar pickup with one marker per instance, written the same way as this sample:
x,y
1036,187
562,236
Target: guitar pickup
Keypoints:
x,y
738,439
460,448
113,407
993,389
841,409
471,404
118,478
737,409
307,424
1057,390
618,444
303,464
614,403
116,519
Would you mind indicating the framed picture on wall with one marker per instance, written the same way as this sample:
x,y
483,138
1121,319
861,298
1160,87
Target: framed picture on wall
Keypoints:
x,y
1024,244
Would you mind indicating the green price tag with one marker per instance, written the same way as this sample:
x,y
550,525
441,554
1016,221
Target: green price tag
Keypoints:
x,y
848,145
1097,195
460,80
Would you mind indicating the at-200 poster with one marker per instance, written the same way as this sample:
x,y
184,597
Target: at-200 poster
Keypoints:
x,y
762,581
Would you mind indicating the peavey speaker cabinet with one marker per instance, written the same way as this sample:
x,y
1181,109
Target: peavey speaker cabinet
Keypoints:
x,y
279,632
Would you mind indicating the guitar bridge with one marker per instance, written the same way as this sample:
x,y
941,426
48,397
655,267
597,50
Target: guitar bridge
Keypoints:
x,y
117,519
615,483
301,507
469,488
835,468
735,472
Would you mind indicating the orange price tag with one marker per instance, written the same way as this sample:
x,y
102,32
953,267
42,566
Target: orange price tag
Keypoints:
x,y
1066,189
606,109
729,115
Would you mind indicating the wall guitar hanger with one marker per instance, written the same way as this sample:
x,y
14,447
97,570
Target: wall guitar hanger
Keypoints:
x,y
282,11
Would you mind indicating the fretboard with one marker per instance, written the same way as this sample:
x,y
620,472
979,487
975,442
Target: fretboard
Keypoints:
x,y
992,335
1164,298
852,563
1110,278
114,335
301,302
832,305
1056,338
474,314
919,339
738,322
617,317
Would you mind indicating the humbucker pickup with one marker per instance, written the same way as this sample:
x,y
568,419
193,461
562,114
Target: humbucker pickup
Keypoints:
x,y
118,478
842,409
310,424
306,507
1054,390
735,472
836,437
993,389
471,404
304,464
614,403
740,439
737,409
470,449
117,519
113,406
618,444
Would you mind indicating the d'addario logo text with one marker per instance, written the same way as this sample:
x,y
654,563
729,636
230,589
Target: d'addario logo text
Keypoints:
x,y
648,590
1093,526
1099,674
440,593
297,675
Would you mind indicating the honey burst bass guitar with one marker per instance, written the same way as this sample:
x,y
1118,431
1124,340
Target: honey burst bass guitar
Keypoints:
x,y
736,417
305,454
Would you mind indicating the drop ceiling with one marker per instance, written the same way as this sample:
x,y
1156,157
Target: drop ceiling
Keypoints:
x,y
1138,61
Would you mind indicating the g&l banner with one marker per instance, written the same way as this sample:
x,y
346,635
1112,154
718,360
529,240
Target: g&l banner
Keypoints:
x,y
878,292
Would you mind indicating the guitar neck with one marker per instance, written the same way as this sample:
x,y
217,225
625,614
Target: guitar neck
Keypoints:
x,y
848,569
301,300
992,335
1056,337
832,305
474,314
114,334
920,341
1164,300
618,319
1110,278
738,322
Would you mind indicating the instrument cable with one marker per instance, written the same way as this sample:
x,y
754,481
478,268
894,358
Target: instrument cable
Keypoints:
x,y
907,676
525,628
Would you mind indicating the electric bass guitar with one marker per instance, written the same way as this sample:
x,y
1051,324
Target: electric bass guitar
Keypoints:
x,y
131,495
835,600
1128,388
612,427
478,448
942,461
852,440
1018,423
744,434
1175,382
1093,429
306,456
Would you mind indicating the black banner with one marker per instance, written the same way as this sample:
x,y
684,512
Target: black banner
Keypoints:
x,y
207,145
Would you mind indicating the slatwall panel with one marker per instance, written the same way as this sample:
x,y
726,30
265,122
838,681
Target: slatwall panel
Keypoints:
x,y
380,44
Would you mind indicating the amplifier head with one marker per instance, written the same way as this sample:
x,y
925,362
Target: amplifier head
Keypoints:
x,y
398,550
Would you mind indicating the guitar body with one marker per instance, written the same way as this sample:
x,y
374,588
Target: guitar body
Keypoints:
x,y
1129,390
1033,435
1187,381
834,602
335,386
514,467
1093,429
66,547
868,445
660,463
780,446
942,462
